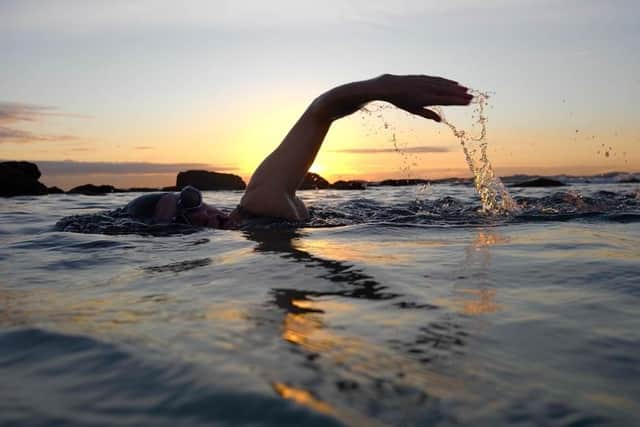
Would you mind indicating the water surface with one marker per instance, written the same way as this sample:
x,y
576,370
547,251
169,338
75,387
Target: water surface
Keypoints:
x,y
392,306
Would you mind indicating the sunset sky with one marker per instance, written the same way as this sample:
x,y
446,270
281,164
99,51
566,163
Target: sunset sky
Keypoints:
x,y
131,92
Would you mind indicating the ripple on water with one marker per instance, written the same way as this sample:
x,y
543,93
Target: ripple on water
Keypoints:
x,y
89,382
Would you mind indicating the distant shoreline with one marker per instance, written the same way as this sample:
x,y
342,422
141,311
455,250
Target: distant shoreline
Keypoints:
x,y
23,178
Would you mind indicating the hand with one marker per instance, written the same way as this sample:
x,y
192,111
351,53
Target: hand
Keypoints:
x,y
416,92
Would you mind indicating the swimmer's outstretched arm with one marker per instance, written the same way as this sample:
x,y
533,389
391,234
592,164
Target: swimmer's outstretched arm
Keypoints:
x,y
271,190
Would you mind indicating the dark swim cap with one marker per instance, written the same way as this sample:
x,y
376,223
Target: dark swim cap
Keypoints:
x,y
190,198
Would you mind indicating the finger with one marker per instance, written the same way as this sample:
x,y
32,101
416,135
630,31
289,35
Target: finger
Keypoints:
x,y
457,99
445,88
435,79
427,114
444,85
450,91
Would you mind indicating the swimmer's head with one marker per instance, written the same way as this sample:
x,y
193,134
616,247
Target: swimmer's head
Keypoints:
x,y
206,216
192,210
190,198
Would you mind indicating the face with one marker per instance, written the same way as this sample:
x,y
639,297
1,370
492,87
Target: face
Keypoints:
x,y
208,216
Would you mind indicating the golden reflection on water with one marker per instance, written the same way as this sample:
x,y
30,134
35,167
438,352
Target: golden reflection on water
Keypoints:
x,y
479,299
13,310
308,331
614,401
483,304
45,306
306,399
302,397
378,253
487,238
225,312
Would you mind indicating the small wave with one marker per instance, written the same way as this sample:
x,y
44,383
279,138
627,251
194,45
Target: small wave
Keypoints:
x,y
445,211
89,382
450,211
116,222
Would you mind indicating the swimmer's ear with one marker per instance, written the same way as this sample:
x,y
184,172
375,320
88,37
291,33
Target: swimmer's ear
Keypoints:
x,y
426,113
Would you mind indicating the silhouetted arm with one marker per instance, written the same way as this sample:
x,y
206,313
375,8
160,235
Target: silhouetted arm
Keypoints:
x,y
271,190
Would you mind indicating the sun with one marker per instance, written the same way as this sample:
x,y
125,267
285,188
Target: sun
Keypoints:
x,y
316,168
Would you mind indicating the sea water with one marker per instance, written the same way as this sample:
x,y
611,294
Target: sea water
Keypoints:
x,y
390,307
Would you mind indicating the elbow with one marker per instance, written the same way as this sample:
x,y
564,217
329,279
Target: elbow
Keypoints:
x,y
321,109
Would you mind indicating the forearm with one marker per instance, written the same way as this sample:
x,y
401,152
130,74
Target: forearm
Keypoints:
x,y
287,165
348,98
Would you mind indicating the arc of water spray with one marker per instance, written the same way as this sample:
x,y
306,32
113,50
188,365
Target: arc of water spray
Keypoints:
x,y
493,194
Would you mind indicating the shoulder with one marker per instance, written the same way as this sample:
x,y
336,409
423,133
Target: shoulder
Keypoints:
x,y
144,206
277,204
166,207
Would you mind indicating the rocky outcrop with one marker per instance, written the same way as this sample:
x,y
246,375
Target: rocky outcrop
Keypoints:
x,y
313,181
142,190
629,180
349,185
20,179
453,181
539,182
401,182
93,190
205,180
55,190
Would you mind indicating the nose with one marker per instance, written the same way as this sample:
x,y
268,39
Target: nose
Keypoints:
x,y
217,220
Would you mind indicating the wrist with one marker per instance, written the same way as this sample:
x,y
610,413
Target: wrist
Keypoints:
x,y
346,99
379,87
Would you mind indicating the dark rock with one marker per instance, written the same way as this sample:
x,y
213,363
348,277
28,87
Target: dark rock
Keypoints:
x,y
539,182
401,182
27,169
205,180
313,181
20,179
629,180
55,190
349,185
143,190
453,181
93,190
170,188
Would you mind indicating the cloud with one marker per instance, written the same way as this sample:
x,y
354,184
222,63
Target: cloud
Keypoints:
x,y
18,136
143,147
17,112
418,149
70,167
13,112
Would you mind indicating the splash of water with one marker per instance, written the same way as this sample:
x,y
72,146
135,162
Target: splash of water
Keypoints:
x,y
377,111
493,194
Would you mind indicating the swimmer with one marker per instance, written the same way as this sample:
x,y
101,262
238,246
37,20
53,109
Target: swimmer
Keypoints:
x,y
271,191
